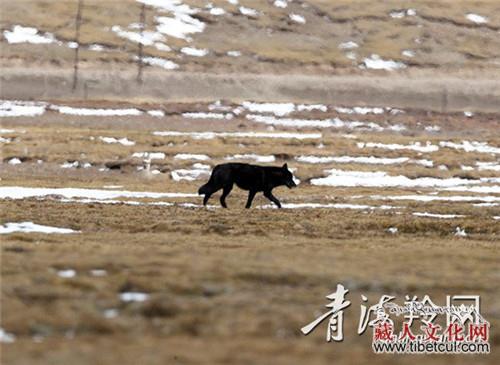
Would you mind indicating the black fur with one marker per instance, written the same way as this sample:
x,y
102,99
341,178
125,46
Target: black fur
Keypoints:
x,y
253,178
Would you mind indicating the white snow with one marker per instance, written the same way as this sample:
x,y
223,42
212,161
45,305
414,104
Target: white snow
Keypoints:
x,y
408,53
328,205
147,38
20,34
311,107
17,192
360,110
150,155
162,47
217,105
429,198
6,337
297,18
124,141
349,159
258,158
493,166
432,128
98,272
248,11
182,24
133,297
477,189
75,164
416,146
279,109
96,47
156,113
434,215
348,45
382,179
459,232
189,156
161,62
475,18
375,62
474,146
189,174
280,4
28,227
68,273
202,115
234,53
14,161
392,230
95,112
217,11
14,108
398,14
318,123
212,135
195,52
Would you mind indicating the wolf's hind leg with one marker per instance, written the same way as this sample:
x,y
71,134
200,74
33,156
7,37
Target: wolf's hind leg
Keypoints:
x,y
251,195
225,192
272,198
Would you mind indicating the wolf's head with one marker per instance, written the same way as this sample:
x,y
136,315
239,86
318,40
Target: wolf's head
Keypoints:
x,y
286,177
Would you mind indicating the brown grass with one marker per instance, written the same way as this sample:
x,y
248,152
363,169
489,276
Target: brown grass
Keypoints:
x,y
270,42
228,286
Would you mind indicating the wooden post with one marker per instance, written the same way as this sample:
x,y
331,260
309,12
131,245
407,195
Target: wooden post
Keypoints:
x,y
78,20
142,23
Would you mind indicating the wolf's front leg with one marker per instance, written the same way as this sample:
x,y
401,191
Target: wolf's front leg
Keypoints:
x,y
272,198
251,195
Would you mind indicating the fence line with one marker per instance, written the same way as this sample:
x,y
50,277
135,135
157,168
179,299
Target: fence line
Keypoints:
x,y
78,20
142,22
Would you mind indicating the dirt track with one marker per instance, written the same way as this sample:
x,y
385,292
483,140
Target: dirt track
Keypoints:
x,y
414,90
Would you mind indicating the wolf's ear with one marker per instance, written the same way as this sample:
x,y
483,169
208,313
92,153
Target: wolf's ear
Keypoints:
x,y
285,166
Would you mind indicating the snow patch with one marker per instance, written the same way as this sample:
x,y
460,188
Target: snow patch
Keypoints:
x,y
416,146
29,227
124,141
382,179
133,297
202,115
20,34
18,192
258,158
195,52
474,146
475,18
189,156
375,62
440,216
297,18
212,135
95,112
160,62
14,108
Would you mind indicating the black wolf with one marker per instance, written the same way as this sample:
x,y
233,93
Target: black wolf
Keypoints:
x,y
253,178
